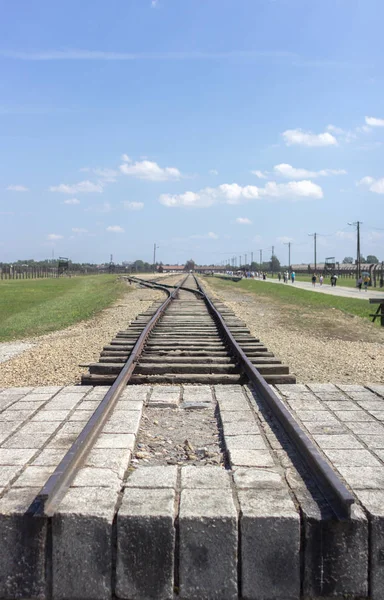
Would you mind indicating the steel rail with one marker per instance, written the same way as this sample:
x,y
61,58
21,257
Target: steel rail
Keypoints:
x,y
338,496
50,496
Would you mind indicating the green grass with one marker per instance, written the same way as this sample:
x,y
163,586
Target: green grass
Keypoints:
x,y
37,306
289,295
342,281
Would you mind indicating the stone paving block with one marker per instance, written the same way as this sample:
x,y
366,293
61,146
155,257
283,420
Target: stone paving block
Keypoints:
x,y
207,545
8,473
378,414
40,427
22,548
369,428
51,415
88,405
337,405
18,390
136,392
351,457
47,389
233,416
165,397
37,397
206,477
287,389
325,428
93,477
241,427
116,459
322,387
81,415
153,477
63,402
249,478
31,406
115,440
49,457
311,404
377,388
240,404
245,442
33,476
317,416
270,545
372,441
16,415
251,458
146,544
373,502
21,440
11,457
123,422
335,552
82,545
336,555
355,416
337,441
348,387
78,389
128,405
363,478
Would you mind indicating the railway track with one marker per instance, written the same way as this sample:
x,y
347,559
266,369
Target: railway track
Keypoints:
x,y
187,346
160,347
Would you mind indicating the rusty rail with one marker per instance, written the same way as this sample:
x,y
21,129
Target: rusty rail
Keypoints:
x,y
50,496
338,496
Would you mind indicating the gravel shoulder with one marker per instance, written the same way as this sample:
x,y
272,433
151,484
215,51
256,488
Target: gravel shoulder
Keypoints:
x,y
53,359
321,346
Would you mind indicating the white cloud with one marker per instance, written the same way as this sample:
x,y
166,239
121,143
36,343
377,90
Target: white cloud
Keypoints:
x,y
213,172
374,185
374,122
147,169
284,239
259,174
115,229
154,3
307,138
290,172
82,187
107,175
72,201
54,236
346,235
204,236
79,230
243,221
17,188
233,193
133,205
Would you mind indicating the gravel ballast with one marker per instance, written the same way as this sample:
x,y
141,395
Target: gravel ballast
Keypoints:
x,y
321,347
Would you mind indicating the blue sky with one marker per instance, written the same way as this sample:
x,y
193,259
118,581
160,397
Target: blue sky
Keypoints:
x,y
211,127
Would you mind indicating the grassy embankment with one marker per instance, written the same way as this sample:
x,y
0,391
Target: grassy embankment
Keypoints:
x,y
289,295
33,307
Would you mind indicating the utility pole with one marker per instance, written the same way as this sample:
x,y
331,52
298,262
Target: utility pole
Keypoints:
x,y
273,254
314,235
358,252
251,258
154,256
289,254
261,257
245,256
239,261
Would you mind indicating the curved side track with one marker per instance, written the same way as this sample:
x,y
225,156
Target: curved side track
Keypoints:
x,y
187,346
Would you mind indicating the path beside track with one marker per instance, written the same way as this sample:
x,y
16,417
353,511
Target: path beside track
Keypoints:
x,y
345,292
